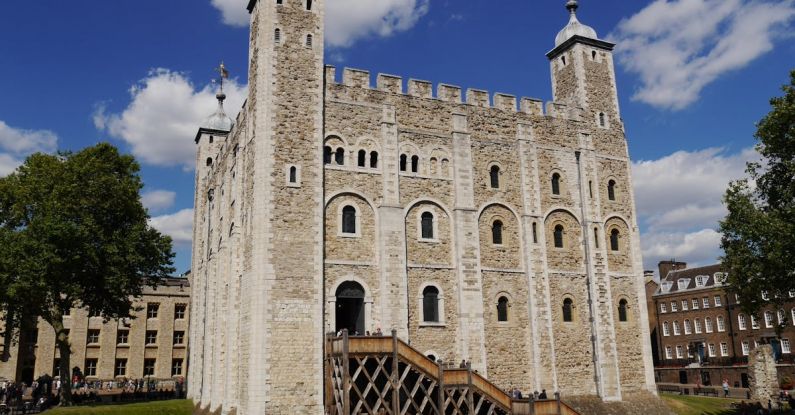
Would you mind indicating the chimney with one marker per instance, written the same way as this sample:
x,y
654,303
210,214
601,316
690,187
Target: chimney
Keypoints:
x,y
668,266
648,274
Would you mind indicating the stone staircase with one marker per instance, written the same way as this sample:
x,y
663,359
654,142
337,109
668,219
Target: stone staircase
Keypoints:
x,y
384,375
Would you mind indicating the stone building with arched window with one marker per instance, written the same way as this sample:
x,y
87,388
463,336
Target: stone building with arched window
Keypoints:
x,y
480,227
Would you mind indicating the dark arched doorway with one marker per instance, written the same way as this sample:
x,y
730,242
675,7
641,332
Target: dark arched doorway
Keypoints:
x,y
350,308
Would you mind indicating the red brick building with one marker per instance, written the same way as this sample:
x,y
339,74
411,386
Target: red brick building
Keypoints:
x,y
702,335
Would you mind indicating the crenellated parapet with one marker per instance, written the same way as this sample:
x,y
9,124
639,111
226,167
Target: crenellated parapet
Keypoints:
x,y
358,81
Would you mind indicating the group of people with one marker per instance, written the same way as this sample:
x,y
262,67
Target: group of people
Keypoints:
x,y
376,333
537,396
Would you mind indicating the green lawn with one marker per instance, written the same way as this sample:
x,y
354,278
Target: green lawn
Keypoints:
x,y
692,405
176,407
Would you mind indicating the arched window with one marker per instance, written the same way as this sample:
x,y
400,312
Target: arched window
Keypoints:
x,y
502,309
277,35
614,240
555,184
426,223
403,158
373,159
293,174
209,161
494,175
278,1
593,54
430,304
339,156
596,237
601,119
326,155
309,41
611,190
362,159
434,164
622,310
309,4
415,164
568,305
559,236
496,232
349,220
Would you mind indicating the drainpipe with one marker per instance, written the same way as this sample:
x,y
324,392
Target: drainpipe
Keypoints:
x,y
589,283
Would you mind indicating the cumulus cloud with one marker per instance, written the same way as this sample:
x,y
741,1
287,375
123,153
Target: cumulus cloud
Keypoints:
x,y
679,202
158,200
179,226
16,143
163,116
678,47
347,20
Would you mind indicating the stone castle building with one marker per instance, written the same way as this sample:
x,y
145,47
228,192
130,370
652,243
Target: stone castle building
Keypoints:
x,y
153,344
479,226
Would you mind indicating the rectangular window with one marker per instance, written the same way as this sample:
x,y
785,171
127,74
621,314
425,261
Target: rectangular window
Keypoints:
x,y
684,305
666,330
151,310
679,354
741,322
721,325
149,367
121,367
754,323
781,317
122,336
769,319
792,294
151,337
688,329
56,367
765,295
695,304
664,308
717,300
724,349
180,311
792,313
176,367
92,337
91,367
674,307
737,298
711,349
785,346
705,302
746,348
668,352
179,338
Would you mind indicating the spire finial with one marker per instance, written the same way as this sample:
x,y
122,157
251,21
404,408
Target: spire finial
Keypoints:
x,y
223,73
572,6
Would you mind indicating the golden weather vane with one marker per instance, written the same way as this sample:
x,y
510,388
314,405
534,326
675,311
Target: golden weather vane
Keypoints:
x,y
224,74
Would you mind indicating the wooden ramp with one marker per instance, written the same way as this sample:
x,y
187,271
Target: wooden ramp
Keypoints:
x,y
385,376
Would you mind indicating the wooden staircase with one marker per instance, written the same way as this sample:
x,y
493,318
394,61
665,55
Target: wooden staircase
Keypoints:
x,y
386,376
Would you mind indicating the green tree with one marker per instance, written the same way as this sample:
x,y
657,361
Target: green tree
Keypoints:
x,y
759,231
73,233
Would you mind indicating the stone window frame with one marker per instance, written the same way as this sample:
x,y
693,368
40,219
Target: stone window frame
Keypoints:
x,y
343,204
436,216
717,301
561,181
627,312
786,347
679,352
429,353
331,300
510,320
287,181
490,222
574,318
500,173
708,328
711,351
695,304
607,181
279,37
440,306
724,349
685,305
91,369
746,347
309,40
598,115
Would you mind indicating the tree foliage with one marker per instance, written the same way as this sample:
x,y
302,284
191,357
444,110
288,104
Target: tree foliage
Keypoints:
x,y
73,233
759,231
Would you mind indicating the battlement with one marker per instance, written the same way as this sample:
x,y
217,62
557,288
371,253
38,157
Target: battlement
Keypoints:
x,y
393,84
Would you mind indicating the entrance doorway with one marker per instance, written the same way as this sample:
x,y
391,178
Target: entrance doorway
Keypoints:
x,y
350,308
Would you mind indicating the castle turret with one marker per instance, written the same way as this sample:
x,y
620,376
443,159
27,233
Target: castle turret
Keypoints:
x,y
582,71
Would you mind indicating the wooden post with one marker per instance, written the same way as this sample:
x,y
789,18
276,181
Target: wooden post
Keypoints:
x,y
470,394
346,375
440,395
395,375
532,404
327,369
557,398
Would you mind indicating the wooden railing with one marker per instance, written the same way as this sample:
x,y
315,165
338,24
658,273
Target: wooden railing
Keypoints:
x,y
415,383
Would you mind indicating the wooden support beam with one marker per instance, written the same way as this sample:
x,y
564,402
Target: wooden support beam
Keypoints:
x,y
395,375
346,375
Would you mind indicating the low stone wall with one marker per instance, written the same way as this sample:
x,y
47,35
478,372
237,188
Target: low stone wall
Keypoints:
x,y
645,403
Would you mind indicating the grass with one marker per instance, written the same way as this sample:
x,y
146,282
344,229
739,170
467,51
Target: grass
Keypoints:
x,y
174,407
698,405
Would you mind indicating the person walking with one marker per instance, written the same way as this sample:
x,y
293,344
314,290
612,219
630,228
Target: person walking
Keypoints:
x,y
725,388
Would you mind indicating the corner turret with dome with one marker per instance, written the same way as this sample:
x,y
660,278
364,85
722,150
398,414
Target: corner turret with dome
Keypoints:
x,y
218,122
574,28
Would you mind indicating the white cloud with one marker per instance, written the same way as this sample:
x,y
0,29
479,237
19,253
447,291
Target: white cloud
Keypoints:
x,y
158,200
16,143
679,202
678,47
164,115
179,226
347,20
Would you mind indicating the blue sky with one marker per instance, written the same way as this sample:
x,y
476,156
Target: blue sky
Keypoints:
x,y
693,77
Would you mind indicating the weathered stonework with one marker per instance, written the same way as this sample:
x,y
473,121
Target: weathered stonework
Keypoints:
x,y
272,253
